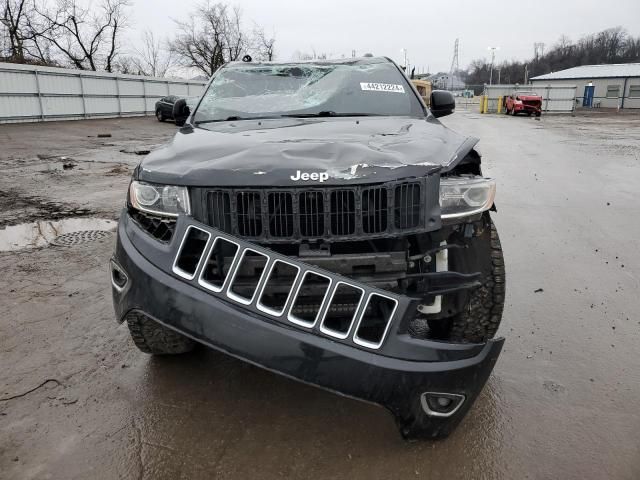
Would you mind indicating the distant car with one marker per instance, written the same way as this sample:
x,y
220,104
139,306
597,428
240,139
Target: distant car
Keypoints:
x,y
164,107
523,102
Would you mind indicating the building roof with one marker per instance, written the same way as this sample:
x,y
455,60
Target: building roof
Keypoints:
x,y
594,71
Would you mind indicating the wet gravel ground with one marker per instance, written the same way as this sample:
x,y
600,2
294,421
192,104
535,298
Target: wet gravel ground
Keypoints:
x,y
77,400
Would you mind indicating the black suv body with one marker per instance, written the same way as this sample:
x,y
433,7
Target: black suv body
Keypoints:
x,y
317,220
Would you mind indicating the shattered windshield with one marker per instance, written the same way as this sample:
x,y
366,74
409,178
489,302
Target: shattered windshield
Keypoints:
x,y
245,91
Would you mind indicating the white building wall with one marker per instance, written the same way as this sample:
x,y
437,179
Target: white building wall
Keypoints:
x,y
600,90
30,93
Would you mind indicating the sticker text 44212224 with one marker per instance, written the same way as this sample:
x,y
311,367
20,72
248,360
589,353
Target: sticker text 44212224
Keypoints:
x,y
381,87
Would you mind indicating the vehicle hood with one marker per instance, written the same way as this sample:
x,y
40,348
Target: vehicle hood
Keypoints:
x,y
275,152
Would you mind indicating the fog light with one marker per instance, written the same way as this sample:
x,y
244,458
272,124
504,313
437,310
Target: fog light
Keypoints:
x,y
441,404
119,278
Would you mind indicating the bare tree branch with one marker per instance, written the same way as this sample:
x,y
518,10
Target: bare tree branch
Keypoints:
x,y
87,39
213,36
153,59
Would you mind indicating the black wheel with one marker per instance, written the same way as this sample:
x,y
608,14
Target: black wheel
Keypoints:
x,y
528,114
180,123
151,337
159,116
481,314
538,114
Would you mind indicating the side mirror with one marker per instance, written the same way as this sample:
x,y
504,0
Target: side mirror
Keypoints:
x,y
181,112
442,103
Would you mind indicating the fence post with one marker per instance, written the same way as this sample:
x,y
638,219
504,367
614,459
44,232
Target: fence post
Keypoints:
x,y
84,101
144,96
35,72
546,104
118,94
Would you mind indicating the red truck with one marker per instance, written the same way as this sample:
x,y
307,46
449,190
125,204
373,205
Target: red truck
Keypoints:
x,y
523,102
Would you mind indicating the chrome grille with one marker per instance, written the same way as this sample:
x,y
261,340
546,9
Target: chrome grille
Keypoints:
x,y
284,289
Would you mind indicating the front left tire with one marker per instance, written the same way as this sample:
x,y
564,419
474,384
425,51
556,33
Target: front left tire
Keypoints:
x,y
151,337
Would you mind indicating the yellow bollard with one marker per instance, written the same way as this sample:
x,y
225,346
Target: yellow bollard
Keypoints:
x,y
500,104
485,103
482,103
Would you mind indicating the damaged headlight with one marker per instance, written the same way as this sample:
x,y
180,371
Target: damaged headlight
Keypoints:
x,y
464,196
167,200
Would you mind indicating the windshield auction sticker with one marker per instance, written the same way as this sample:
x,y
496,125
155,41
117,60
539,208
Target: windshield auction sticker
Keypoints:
x,y
381,87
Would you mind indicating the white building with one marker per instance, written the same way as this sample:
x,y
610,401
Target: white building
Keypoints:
x,y
446,81
608,86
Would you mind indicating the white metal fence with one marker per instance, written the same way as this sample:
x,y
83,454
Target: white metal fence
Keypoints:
x,y
554,98
31,94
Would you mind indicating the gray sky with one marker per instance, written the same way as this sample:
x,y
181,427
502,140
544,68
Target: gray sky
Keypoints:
x,y
427,32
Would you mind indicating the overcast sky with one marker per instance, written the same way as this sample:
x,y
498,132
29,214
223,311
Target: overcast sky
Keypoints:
x,y
426,29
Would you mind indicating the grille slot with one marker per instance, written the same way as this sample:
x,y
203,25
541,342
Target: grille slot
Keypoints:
x,y
375,320
309,298
280,214
247,276
190,252
277,288
219,210
343,212
341,311
249,214
374,210
216,268
407,205
311,210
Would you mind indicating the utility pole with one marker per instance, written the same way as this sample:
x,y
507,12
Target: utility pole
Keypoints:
x,y
526,74
404,52
493,58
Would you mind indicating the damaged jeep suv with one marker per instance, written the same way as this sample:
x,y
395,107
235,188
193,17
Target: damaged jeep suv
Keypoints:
x,y
317,220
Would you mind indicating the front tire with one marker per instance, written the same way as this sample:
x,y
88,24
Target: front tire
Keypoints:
x,y
159,116
480,317
151,337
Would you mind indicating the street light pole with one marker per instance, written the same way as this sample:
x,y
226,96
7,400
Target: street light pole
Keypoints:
x,y
493,57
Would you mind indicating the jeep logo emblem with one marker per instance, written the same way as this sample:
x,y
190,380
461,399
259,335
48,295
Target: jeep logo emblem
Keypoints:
x,y
304,176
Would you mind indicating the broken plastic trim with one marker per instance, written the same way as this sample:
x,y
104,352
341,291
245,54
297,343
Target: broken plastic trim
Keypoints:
x,y
193,259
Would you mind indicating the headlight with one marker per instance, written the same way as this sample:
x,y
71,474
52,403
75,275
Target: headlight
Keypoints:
x,y
167,200
464,196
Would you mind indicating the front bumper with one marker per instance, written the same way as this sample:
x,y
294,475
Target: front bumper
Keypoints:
x,y
396,375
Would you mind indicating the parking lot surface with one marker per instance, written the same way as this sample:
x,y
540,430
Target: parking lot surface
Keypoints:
x,y
78,400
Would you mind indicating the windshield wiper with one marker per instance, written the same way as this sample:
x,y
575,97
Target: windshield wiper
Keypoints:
x,y
324,113
329,113
236,117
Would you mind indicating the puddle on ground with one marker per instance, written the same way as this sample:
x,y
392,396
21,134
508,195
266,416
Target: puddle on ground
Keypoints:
x,y
43,233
